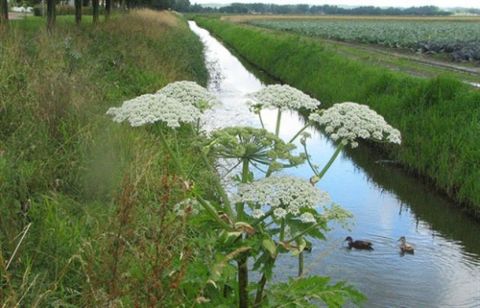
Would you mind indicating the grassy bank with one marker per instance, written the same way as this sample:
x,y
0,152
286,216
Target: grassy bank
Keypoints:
x,y
439,118
85,206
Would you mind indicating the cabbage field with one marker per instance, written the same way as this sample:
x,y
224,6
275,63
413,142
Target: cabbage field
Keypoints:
x,y
459,39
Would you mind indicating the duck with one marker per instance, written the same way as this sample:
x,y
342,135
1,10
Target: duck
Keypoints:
x,y
358,244
405,247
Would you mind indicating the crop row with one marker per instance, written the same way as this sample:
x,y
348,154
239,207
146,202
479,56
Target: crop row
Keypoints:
x,y
461,40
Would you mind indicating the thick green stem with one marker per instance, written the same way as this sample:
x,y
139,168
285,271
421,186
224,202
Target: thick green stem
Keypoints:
x,y
261,287
269,172
299,132
282,230
243,261
240,206
309,161
260,118
243,282
332,159
279,119
300,264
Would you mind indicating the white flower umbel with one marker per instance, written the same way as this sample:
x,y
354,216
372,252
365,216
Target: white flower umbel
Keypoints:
x,y
279,213
151,108
308,218
347,122
283,97
282,194
258,213
189,92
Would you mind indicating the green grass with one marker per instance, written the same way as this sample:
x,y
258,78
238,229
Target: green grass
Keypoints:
x,y
96,196
439,118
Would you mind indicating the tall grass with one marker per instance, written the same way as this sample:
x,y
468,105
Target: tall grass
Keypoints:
x,y
439,118
89,189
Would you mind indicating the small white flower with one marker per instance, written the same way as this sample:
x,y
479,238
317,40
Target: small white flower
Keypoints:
x,y
307,218
286,192
283,97
151,108
279,213
189,92
257,213
349,122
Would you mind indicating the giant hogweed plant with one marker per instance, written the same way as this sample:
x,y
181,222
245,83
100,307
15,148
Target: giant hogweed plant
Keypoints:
x,y
268,213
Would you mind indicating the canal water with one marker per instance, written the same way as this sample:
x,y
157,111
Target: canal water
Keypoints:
x,y
386,204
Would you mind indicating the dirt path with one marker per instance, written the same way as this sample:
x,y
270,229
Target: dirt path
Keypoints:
x,y
424,59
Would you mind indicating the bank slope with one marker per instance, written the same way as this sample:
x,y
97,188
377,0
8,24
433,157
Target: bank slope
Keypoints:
x,y
85,203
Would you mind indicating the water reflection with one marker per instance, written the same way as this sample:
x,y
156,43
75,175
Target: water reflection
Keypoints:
x,y
386,203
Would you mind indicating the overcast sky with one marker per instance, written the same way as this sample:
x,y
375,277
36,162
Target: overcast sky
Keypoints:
x,y
395,3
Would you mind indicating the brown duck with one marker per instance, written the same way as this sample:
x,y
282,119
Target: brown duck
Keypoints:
x,y
405,247
366,245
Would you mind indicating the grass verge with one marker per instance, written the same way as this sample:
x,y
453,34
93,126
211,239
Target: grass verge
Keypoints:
x,y
439,118
86,204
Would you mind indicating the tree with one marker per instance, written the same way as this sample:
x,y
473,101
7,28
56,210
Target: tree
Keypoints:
x,y
78,11
50,14
3,11
108,8
95,11
181,5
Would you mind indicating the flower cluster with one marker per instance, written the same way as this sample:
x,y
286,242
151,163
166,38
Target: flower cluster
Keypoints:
x,y
151,108
189,92
349,121
283,97
282,194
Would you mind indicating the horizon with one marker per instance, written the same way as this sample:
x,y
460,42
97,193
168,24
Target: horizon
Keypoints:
x,y
358,3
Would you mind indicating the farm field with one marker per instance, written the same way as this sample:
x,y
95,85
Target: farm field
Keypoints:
x,y
394,57
247,18
460,40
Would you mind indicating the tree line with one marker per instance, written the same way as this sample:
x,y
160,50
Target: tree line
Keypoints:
x,y
95,6
234,8
262,8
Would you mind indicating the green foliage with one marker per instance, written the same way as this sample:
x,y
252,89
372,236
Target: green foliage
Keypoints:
x,y
438,118
311,291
